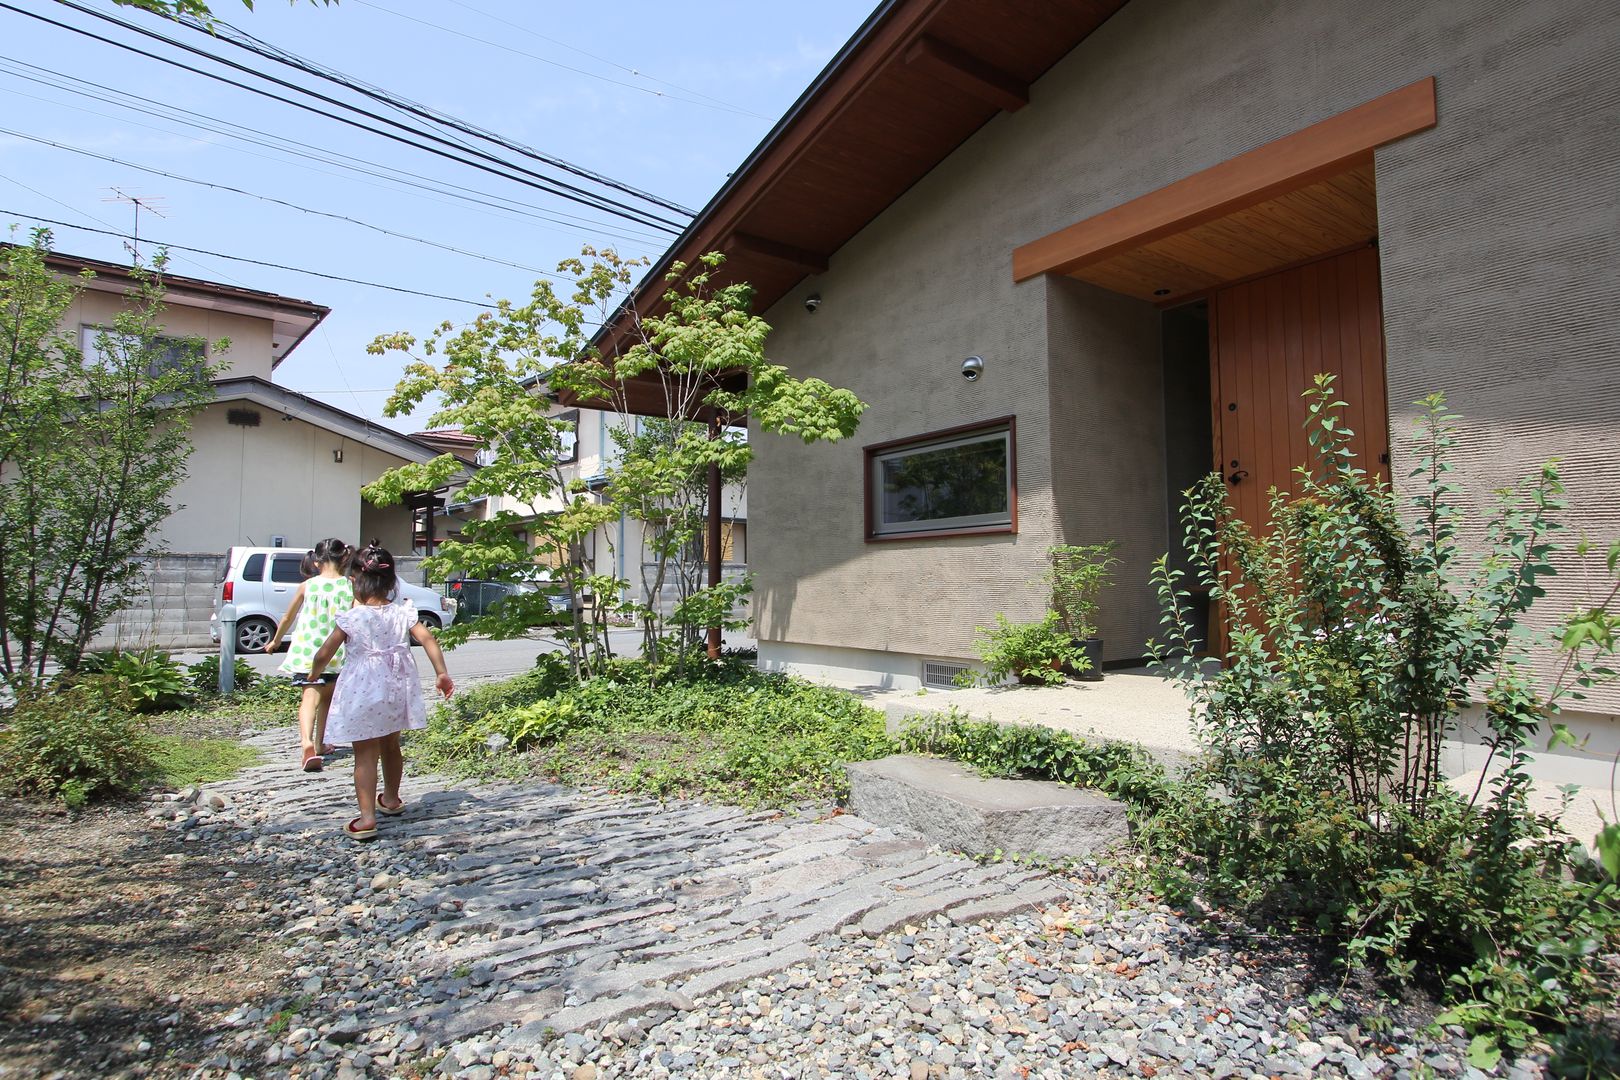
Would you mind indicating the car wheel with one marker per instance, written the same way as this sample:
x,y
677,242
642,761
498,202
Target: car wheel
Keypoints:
x,y
252,633
429,620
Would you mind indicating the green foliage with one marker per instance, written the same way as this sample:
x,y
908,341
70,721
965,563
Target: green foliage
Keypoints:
x,y
92,447
723,731
204,675
1036,652
182,760
75,744
1120,769
1357,635
147,680
1077,576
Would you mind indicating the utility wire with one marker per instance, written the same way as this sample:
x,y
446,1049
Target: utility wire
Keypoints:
x,y
123,100
549,184
244,40
609,61
540,182
254,262
284,202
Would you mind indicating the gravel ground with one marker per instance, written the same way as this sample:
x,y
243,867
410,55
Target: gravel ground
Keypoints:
x,y
1090,984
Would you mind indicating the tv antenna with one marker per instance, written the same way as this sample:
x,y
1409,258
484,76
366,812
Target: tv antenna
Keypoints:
x,y
152,204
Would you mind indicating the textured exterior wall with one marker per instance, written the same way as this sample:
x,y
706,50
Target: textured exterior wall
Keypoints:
x,y
250,338
173,602
1108,444
1498,244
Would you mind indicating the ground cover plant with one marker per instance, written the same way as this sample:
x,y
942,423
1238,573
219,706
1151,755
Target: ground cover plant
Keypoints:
x,y
1360,628
721,730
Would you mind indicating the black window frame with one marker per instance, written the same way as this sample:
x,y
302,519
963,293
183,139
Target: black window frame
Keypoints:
x,y
278,560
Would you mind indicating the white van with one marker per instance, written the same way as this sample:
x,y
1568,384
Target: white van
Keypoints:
x,y
261,581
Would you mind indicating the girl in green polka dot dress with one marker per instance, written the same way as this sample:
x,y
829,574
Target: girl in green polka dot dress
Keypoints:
x,y
316,605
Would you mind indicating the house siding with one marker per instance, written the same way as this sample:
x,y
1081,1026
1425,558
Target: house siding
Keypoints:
x,y
1498,245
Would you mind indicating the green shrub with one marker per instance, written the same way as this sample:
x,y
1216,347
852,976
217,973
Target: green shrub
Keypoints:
x,y
1120,769
1359,630
151,680
204,675
75,744
723,730
1030,652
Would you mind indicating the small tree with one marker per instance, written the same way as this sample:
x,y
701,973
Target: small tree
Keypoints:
x,y
705,356
491,385
91,450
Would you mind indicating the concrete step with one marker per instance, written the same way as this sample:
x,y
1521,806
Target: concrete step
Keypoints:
x,y
957,809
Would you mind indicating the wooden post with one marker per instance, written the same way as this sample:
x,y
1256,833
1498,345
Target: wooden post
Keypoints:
x,y
715,562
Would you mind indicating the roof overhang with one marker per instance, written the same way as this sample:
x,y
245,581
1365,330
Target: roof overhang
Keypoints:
x,y
292,320
916,81
296,406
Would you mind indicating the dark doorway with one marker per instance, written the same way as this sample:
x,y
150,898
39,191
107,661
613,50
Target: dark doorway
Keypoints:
x,y
1189,442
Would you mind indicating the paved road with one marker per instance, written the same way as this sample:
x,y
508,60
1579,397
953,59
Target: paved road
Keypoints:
x,y
483,659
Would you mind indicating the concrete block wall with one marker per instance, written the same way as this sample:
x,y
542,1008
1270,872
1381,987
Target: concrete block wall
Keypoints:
x,y
172,605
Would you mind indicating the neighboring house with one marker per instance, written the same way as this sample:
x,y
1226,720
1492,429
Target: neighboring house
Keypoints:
x,y
269,466
1152,220
619,549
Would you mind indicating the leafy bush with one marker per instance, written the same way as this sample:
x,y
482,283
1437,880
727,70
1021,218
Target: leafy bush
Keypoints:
x,y
75,744
1077,576
1356,639
151,680
723,730
1036,652
204,675
1120,769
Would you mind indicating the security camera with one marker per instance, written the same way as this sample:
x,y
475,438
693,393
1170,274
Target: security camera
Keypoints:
x,y
972,368
812,301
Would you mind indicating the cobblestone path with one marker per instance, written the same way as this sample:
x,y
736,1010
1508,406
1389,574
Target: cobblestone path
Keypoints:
x,y
541,910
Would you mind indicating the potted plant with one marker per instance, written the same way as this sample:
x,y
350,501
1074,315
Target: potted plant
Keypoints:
x,y
1036,653
1079,572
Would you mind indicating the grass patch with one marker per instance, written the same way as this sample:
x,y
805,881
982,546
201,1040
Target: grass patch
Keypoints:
x,y
180,761
724,732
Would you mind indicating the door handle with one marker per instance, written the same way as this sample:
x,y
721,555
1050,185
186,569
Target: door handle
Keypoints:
x,y
1238,476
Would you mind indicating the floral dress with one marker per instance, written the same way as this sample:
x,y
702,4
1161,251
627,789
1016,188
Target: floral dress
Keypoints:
x,y
380,692
324,600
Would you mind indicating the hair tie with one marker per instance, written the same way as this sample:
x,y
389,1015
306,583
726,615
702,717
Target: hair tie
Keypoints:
x,y
376,564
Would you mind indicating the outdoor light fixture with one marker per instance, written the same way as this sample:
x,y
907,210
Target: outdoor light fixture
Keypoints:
x,y
337,456
972,368
812,302
1161,292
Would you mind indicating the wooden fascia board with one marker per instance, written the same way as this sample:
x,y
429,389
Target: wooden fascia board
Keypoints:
x,y
1311,154
968,73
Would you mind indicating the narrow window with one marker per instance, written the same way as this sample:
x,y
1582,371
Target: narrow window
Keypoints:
x,y
948,483
284,569
253,569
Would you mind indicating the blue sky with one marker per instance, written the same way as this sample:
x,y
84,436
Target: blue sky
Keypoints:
x,y
666,97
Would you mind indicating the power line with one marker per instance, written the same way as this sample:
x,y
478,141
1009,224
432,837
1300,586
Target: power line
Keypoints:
x,y
283,202
610,62
244,40
517,173
254,262
229,129
540,182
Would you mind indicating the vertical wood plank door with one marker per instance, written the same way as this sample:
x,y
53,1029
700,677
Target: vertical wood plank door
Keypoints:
x,y
1269,338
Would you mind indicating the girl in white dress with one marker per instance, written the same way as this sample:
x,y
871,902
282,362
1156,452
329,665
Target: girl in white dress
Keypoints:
x,y
379,695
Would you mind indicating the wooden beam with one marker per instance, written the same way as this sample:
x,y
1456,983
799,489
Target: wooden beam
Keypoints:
x,y
967,72
810,262
1304,157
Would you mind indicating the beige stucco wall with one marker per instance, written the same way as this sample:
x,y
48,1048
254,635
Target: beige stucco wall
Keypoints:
x,y
246,484
1499,247
250,338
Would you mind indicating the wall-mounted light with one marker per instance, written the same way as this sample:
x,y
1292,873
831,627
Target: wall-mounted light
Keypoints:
x,y
972,368
1161,292
812,302
337,455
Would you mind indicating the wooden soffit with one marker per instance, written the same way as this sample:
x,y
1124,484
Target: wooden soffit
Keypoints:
x,y
1308,194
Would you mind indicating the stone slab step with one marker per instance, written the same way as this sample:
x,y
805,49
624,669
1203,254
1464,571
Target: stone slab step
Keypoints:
x,y
957,809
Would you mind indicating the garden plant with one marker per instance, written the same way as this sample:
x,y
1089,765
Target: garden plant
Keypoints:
x,y
1361,627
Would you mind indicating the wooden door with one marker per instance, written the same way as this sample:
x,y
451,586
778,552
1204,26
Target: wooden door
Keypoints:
x,y
1268,339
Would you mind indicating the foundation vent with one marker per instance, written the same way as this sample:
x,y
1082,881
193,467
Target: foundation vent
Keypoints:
x,y
941,674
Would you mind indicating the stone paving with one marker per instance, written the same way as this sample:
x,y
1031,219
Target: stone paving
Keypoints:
x,y
543,910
